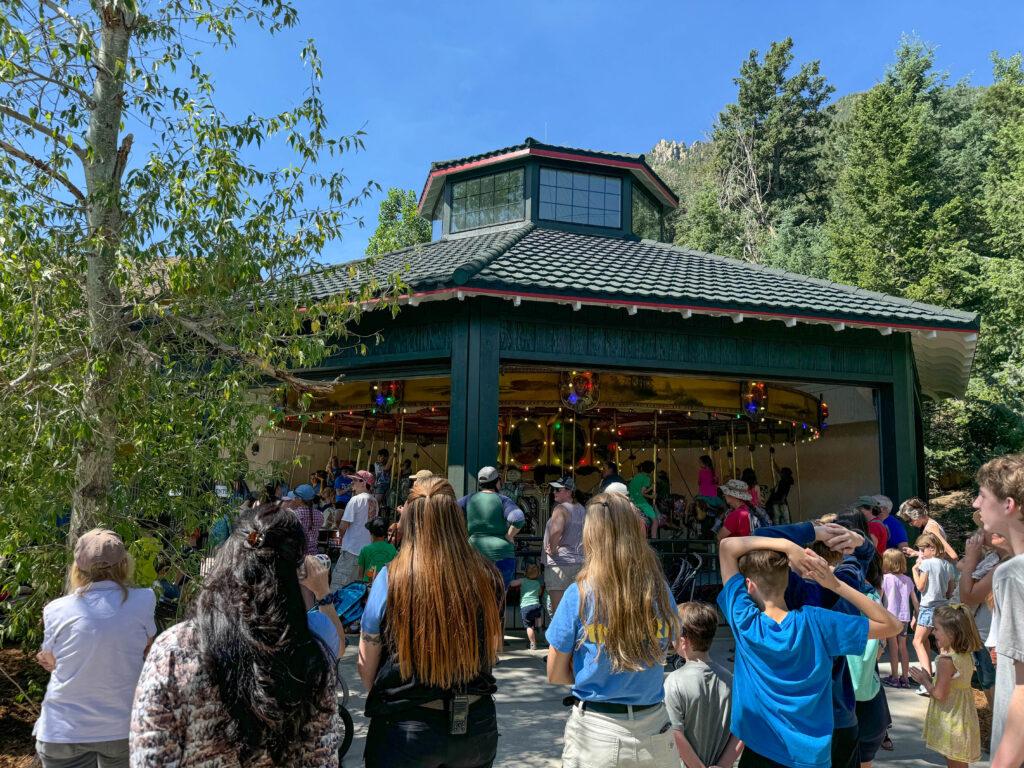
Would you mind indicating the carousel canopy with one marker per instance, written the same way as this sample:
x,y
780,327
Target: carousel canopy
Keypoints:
x,y
533,263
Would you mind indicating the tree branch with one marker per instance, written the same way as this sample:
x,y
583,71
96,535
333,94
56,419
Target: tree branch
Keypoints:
x,y
31,74
44,129
46,168
78,25
122,157
34,371
273,371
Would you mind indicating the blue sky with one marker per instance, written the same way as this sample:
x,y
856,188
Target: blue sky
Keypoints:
x,y
431,81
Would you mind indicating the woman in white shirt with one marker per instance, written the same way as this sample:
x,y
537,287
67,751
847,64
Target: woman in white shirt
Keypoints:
x,y
95,639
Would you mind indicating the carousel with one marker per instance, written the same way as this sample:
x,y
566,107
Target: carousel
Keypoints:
x,y
573,423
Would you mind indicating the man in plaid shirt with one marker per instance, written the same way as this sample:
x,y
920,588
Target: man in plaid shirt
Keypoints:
x,y
300,501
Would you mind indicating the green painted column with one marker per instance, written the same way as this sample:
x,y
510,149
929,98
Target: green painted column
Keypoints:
x,y
482,389
459,416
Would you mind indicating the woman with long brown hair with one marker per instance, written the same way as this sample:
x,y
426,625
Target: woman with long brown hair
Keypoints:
x,y
430,633
608,641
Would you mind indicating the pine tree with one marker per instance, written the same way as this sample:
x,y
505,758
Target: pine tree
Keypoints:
x,y
399,224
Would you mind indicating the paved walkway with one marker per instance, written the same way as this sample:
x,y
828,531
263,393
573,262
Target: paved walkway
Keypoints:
x,y
531,717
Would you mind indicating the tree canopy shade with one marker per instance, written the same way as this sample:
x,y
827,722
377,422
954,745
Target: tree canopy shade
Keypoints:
x,y
400,224
148,287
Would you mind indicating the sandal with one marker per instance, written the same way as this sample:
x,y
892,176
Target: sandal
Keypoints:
x,y
891,681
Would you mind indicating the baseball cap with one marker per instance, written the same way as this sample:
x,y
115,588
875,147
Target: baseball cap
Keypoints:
x,y
487,475
97,548
363,475
564,482
421,474
306,492
866,501
617,488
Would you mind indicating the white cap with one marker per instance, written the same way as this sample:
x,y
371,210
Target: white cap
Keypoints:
x,y
617,488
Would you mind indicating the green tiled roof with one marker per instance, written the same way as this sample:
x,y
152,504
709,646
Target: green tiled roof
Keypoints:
x,y
545,264
532,142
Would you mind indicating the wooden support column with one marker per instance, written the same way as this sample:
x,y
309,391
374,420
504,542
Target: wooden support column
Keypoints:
x,y
473,426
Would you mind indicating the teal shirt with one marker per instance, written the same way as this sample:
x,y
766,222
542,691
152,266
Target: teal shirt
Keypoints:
x,y
636,488
376,555
863,669
529,592
485,519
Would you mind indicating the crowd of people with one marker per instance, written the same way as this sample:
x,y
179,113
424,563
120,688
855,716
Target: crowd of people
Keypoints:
x,y
249,677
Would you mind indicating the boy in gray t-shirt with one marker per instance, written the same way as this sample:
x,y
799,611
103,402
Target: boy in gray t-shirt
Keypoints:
x,y
698,696
1000,503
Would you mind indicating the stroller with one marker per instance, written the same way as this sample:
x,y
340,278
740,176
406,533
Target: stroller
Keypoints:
x,y
683,587
349,602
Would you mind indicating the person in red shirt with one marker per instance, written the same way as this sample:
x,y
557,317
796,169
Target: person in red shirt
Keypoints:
x,y
877,530
737,522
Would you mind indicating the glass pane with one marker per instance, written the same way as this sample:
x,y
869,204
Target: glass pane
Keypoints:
x,y
579,215
547,176
612,203
596,199
563,213
547,194
564,196
580,181
612,185
547,210
580,197
596,218
565,179
459,191
612,219
487,184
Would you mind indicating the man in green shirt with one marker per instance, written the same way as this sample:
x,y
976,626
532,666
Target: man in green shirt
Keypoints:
x,y
493,521
378,553
641,491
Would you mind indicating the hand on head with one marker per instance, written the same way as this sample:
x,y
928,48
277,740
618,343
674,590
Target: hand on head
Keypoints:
x,y
815,567
838,538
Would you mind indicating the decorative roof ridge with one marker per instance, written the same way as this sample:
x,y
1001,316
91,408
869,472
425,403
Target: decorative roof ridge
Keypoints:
x,y
851,289
465,271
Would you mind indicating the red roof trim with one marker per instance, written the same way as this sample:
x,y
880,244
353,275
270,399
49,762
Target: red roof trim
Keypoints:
x,y
589,300
610,162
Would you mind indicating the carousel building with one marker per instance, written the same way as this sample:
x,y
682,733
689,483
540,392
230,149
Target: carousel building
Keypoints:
x,y
550,330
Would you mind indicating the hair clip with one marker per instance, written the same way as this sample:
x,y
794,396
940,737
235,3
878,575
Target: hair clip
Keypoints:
x,y
254,539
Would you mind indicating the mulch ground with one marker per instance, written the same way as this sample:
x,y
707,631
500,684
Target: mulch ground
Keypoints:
x,y
17,747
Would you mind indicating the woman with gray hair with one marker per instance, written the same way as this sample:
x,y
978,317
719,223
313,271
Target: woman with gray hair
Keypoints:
x,y
915,512
95,640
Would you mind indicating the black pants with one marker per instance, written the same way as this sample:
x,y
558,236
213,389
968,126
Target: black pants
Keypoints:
x,y
419,738
750,759
845,747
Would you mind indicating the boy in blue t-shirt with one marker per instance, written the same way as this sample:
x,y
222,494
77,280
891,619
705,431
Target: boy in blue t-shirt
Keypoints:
x,y
782,686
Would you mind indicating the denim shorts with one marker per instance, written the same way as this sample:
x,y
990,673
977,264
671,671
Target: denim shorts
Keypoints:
x,y
924,617
531,615
507,568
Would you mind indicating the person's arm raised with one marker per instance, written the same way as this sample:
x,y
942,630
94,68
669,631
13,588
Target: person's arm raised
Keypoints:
x,y
881,623
732,549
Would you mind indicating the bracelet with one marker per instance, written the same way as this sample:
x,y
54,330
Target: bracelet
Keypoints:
x,y
325,600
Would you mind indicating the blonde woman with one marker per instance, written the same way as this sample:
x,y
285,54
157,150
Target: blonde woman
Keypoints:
x,y
608,640
430,633
95,640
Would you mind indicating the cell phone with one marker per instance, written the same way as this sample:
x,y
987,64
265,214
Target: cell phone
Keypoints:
x,y
459,716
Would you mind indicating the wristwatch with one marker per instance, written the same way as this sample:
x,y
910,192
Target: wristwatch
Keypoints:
x,y
326,599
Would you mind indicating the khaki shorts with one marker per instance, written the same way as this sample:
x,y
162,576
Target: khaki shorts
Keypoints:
x,y
557,578
619,741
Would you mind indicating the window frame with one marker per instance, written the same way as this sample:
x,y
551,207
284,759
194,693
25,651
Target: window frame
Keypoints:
x,y
575,169
484,173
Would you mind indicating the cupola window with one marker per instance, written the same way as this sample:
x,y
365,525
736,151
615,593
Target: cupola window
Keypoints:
x,y
646,218
487,200
580,198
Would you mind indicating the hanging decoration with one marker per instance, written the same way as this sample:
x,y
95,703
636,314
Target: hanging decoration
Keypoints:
x,y
385,395
755,397
580,390
822,413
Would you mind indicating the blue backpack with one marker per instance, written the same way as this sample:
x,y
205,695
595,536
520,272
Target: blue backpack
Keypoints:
x,y
350,600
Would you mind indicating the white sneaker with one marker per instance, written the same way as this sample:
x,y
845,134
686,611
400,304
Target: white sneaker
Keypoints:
x,y
922,691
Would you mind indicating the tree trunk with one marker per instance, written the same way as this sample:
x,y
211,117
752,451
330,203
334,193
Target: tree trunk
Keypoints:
x,y
96,449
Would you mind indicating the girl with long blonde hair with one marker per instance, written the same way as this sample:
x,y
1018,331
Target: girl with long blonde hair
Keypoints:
x,y
608,640
429,638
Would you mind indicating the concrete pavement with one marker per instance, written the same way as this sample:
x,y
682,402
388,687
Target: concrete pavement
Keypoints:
x,y
531,717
